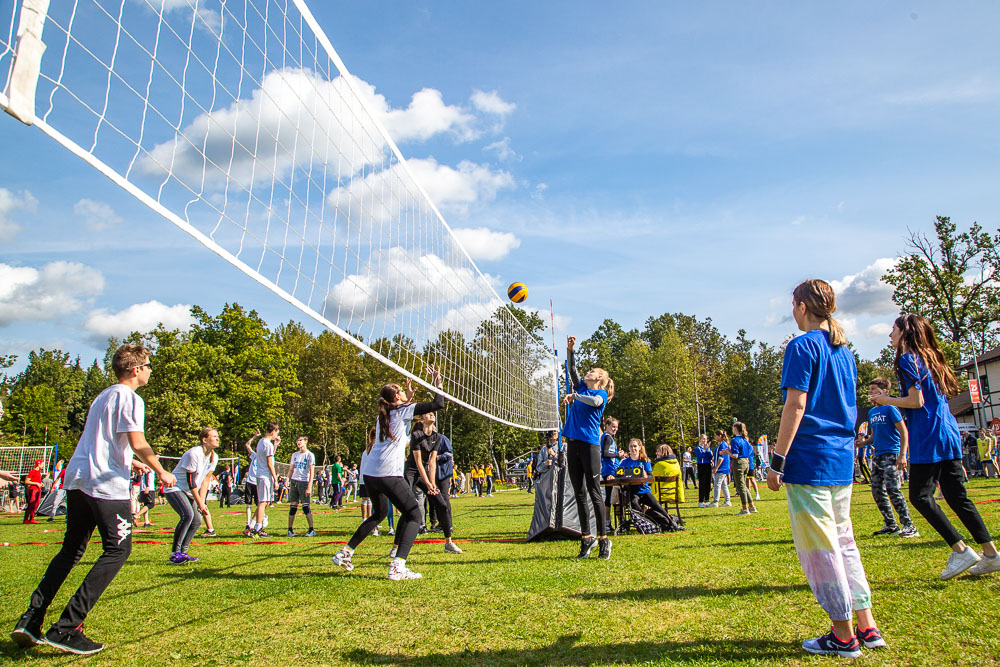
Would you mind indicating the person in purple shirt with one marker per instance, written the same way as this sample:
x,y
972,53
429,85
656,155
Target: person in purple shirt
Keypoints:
x,y
925,382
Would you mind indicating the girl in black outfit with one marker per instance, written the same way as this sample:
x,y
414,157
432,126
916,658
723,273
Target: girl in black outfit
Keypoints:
x,y
382,470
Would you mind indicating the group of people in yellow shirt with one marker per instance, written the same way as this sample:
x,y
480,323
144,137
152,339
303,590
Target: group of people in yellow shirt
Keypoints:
x,y
987,445
481,480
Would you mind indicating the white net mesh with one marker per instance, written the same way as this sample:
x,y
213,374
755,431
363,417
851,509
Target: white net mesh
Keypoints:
x,y
20,460
238,122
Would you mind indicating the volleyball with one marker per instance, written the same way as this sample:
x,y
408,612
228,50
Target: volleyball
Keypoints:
x,y
517,292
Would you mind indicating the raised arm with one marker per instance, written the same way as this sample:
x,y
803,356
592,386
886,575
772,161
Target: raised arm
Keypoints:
x,y
571,360
438,402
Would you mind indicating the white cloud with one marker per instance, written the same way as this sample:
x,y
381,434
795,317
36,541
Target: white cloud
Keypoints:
x,y
972,89
490,102
865,292
403,280
210,19
503,150
141,317
449,188
880,329
486,244
28,294
295,119
97,216
10,202
538,194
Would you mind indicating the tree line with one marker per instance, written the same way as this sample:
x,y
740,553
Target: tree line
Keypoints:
x,y
675,377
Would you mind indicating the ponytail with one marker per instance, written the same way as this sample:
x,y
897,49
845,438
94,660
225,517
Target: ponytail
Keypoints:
x,y
385,398
821,303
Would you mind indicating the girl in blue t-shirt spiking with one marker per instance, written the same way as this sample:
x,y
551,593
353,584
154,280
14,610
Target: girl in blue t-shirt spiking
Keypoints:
x,y
925,382
814,459
583,448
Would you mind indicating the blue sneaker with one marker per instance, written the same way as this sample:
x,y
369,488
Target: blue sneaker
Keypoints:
x,y
830,644
870,638
177,559
189,559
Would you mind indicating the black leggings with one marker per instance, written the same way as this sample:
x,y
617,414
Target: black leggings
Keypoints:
x,y
442,504
924,477
584,463
653,509
704,482
382,490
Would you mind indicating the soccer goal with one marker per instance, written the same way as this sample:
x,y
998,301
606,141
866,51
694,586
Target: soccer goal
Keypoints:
x,y
20,460
239,123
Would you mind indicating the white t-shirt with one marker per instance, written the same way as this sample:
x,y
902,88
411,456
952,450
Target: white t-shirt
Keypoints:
x,y
687,459
102,463
387,456
252,470
301,462
265,448
193,460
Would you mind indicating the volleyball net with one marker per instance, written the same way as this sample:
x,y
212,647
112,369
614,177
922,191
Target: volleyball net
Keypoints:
x,y
239,123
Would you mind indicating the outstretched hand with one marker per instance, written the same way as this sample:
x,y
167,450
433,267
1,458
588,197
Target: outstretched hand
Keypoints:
x,y
570,342
568,399
435,373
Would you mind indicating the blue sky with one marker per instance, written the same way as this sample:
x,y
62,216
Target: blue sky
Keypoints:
x,y
629,160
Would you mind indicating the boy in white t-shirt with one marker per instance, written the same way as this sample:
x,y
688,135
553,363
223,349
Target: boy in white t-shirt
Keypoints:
x,y
300,484
266,477
97,496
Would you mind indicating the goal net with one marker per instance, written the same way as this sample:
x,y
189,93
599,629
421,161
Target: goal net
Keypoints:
x,y
238,123
20,460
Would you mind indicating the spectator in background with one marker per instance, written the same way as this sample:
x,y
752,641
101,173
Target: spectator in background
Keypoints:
x,y
666,466
703,458
225,486
986,445
33,492
689,468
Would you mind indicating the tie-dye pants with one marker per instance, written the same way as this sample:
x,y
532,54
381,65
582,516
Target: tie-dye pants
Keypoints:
x,y
824,541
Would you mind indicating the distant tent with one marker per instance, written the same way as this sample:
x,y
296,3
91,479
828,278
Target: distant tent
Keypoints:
x,y
45,508
555,516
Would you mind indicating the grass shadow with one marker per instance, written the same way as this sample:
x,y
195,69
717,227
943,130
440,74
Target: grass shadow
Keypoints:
x,y
568,651
687,592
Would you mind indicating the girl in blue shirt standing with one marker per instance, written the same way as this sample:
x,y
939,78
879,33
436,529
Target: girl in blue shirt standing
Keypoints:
x,y
814,458
741,453
925,382
703,457
721,469
583,448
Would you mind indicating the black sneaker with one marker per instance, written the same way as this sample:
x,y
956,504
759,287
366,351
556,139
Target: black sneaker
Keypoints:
x,y
885,530
604,548
28,630
72,642
586,546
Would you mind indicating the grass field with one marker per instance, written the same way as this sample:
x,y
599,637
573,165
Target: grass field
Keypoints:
x,y
729,590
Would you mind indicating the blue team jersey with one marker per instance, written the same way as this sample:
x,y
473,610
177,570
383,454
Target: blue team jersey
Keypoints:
x,y
740,447
584,422
822,452
722,452
630,467
703,454
933,431
609,462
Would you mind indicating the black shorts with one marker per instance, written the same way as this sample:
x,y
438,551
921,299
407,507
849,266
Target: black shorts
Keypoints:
x,y
146,498
250,496
362,492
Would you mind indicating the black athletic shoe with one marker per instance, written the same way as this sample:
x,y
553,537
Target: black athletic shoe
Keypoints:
x,y
28,630
72,642
422,531
604,548
885,530
586,546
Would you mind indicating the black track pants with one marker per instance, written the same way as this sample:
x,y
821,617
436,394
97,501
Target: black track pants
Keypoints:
x,y
382,491
584,463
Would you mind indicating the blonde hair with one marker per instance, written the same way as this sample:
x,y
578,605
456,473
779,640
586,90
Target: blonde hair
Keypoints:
x,y
742,429
605,382
664,451
643,456
821,303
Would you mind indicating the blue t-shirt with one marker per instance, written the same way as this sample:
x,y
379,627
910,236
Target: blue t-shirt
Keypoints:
x,y
630,467
584,421
703,454
609,455
933,431
822,452
722,451
740,447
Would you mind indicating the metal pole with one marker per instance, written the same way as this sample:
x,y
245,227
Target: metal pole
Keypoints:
x,y
979,408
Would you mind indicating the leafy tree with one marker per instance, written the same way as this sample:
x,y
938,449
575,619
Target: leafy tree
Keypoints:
x,y
41,409
952,280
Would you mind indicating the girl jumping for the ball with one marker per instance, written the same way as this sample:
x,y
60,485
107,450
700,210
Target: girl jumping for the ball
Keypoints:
x,y
583,448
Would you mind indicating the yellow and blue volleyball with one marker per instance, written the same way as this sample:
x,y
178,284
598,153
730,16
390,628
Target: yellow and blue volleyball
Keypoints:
x,y
517,292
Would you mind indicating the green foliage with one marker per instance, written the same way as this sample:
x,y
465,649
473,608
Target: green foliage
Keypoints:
x,y
952,281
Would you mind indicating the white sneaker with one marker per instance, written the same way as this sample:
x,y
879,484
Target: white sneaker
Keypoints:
x,y
400,572
343,559
451,548
727,504
743,512
959,563
702,504
392,552
758,497
375,533
985,565
712,505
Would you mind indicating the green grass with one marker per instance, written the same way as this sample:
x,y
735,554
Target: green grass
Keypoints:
x,y
727,591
